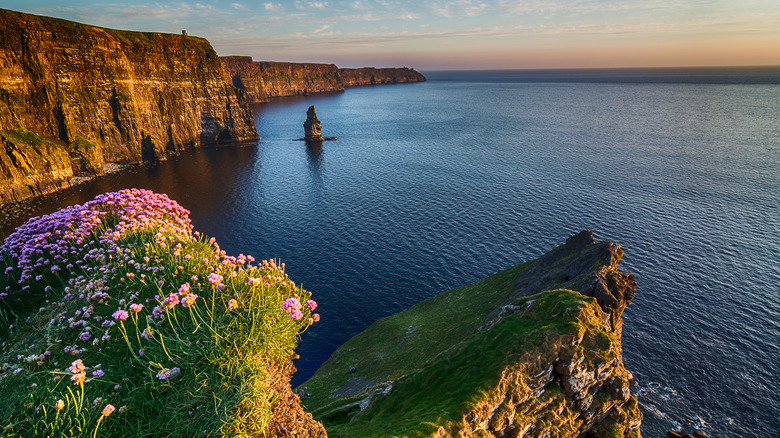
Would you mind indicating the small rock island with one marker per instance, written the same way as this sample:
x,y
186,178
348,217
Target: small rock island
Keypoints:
x,y
313,128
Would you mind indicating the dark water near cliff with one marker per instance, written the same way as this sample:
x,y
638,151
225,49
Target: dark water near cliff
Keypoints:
x,y
438,184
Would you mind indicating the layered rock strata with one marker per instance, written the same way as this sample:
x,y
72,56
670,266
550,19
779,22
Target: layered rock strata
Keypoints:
x,y
532,351
102,95
262,80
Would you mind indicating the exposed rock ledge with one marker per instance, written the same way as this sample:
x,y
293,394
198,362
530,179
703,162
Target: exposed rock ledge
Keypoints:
x,y
531,351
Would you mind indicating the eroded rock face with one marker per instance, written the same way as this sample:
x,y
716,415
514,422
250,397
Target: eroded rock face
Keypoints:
x,y
131,96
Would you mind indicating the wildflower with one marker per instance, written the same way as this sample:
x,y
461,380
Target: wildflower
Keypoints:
x,y
184,289
60,405
78,378
215,279
254,281
77,366
232,305
316,317
98,373
120,315
293,308
123,409
108,410
166,373
189,300
170,301
311,304
148,333
135,307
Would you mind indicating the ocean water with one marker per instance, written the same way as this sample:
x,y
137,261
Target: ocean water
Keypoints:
x,y
434,185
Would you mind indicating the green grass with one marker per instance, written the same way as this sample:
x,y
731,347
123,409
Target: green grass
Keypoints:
x,y
402,343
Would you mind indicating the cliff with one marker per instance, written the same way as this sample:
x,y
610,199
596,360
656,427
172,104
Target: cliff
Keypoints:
x,y
117,319
93,96
531,351
262,80
357,77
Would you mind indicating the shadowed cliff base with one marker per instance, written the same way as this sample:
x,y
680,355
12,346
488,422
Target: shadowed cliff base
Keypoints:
x,y
530,351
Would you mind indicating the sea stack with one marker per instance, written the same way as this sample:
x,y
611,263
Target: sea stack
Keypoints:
x,y
312,126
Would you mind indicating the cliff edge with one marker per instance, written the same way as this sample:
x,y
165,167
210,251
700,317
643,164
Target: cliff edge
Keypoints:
x,y
93,96
534,350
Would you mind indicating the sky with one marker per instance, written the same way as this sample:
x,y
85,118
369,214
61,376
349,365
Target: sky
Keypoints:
x,y
456,35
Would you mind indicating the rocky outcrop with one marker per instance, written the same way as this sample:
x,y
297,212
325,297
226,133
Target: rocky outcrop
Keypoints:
x,y
102,95
263,80
312,126
531,351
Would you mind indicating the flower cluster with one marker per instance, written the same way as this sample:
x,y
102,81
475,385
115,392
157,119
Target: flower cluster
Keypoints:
x,y
166,373
293,308
79,372
70,236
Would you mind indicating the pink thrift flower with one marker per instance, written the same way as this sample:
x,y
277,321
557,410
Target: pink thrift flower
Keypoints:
x,y
316,317
108,410
296,314
291,304
215,279
77,366
189,300
170,301
120,315
232,305
311,304
184,289
135,307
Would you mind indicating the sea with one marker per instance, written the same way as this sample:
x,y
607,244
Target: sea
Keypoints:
x,y
437,184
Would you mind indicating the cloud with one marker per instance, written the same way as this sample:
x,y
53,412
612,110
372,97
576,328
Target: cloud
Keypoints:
x,y
321,29
273,6
239,6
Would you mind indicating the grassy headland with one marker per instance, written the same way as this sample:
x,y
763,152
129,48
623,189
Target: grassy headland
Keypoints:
x,y
512,354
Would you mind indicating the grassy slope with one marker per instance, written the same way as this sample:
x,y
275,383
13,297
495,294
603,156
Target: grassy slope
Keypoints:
x,y
401,344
